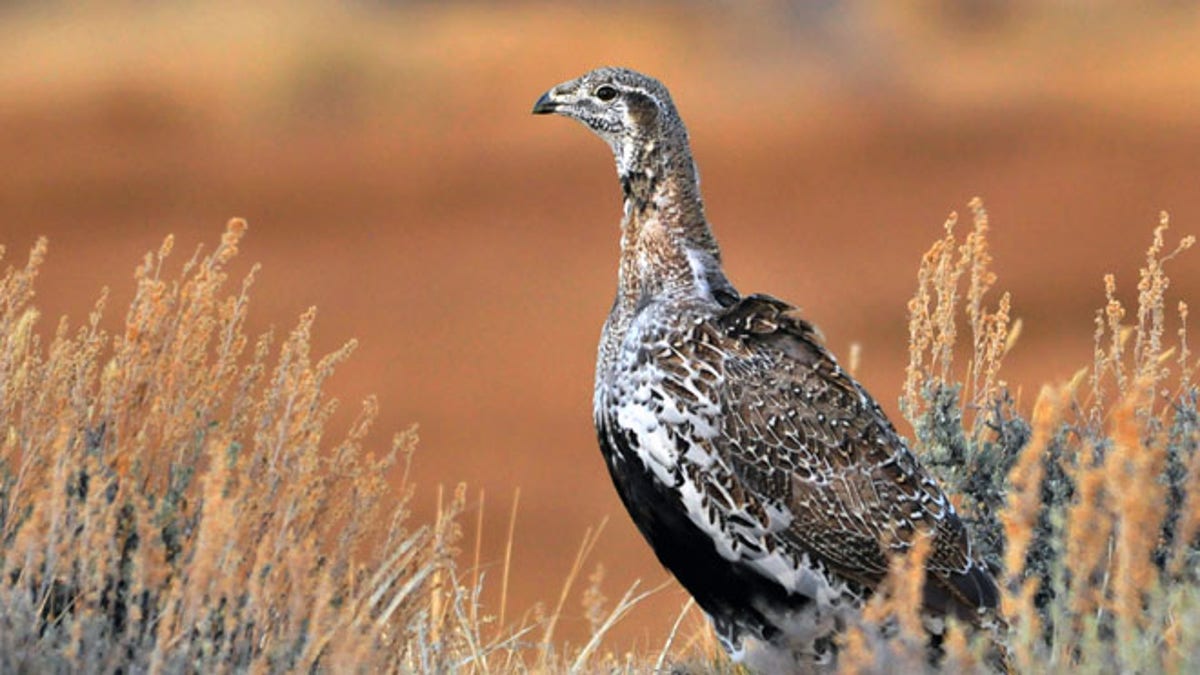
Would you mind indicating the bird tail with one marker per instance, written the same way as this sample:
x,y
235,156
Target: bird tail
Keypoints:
x,y
972,596
966,595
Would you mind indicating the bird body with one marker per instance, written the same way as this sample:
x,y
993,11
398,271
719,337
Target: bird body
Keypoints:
x,y
765,478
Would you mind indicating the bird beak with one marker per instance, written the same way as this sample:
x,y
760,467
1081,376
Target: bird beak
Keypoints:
x,y
544,105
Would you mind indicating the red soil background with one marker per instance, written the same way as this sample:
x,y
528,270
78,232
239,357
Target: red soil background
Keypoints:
x,y
393,177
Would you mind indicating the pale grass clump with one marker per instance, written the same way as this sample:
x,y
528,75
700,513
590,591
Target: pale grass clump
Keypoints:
x,y
1111,601
1122,593
933,323
171,503
530,644
1097,530
1116,368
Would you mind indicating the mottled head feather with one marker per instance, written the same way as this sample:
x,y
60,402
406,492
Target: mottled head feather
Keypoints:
x,y
632,112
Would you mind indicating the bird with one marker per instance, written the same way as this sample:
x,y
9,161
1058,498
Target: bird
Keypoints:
x,y
765,478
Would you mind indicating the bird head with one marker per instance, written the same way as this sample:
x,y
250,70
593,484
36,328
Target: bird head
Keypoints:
x,y
625,108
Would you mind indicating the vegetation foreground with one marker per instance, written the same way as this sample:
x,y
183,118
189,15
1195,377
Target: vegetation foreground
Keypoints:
x,y
170,501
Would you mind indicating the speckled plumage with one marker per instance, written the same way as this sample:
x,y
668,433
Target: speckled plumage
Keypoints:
x,y
765,478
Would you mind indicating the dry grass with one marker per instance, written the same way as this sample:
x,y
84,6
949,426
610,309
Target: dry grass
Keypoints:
x,y
1087,513
170,501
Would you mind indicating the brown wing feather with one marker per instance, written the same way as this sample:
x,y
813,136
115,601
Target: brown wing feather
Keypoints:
x,y
856,492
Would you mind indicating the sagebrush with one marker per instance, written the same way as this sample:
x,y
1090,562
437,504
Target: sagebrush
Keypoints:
x,y
170,499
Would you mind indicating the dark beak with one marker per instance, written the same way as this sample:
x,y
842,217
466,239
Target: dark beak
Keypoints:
x,y
544,105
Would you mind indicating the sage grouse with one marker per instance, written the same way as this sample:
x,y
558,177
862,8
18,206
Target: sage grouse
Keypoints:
x,y
765,478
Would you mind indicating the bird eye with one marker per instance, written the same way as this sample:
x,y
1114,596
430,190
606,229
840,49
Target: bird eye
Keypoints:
x,y
606,93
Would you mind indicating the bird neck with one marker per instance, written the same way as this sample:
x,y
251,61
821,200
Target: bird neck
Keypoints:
x,y
667,247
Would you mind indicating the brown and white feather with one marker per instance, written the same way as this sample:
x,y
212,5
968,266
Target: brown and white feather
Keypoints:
x,y
763,475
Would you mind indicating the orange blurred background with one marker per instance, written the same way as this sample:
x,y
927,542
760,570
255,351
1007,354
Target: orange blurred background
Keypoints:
x,y
392,176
